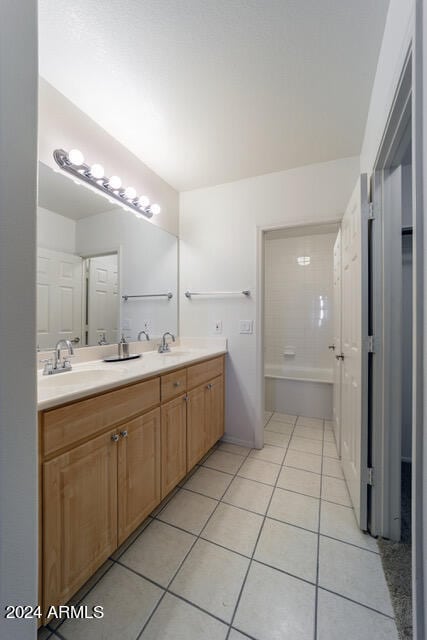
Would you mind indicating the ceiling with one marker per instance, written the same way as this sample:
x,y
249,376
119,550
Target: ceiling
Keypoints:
x,y
62,195
211,91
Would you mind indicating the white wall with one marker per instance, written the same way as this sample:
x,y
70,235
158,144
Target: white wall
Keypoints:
x,y
298,300
396,40
63,125
218,251
148,264
18,424
55,232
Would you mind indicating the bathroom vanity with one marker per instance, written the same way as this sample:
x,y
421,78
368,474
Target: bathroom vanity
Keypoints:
x,y
110,453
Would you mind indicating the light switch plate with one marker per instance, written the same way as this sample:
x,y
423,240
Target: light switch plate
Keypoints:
x,y
246,326
127,324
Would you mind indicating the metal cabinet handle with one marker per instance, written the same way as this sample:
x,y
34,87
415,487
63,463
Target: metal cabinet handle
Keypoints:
x,y
209,386
340,356
177,383
124,434
187,398
115,437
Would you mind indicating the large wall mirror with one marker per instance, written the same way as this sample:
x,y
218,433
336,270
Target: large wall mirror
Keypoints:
x,y
101,271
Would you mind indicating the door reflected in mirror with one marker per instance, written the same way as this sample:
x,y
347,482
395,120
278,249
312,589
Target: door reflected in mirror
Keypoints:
x,y
92,257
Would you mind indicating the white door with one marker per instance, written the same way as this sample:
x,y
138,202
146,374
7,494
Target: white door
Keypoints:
x,y
103,299
354,336
337,366
59,297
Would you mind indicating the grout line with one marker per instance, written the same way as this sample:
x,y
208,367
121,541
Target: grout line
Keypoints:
x,y
316,595
182,562
252,556
360,604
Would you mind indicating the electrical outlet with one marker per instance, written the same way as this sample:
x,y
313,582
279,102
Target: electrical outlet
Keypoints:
x,y
246,326
147,325
218,327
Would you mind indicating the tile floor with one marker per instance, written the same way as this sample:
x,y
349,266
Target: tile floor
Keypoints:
x,y
254,544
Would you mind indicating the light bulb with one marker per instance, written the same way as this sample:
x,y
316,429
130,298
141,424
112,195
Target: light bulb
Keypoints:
x,y
76,157
130,193
143,202
114,182
155,209
97,171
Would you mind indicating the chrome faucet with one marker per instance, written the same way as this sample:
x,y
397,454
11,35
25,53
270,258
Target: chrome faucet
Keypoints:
x,y
164,346
147,337
57,366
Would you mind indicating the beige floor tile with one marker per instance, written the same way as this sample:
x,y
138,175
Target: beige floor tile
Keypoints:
x,y
335,490
158,552
267,416
268,453
128,600
259,470
328,436
300,481
339,522
224,461
301,460
294,508
178,620
275,606
280,427
211,577
288,548
309,422
208,481
249,495
233,528
354,573
44,633
306,445
332,468
284,417
329,425
313,433
233,448
188,510
127,543
330,450
338,618
276,439
236,635
164,502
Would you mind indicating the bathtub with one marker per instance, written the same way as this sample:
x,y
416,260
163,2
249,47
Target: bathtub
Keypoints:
x,y
299,391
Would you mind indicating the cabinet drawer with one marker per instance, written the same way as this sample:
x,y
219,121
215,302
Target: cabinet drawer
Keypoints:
x,y
68,425
173,384
200,373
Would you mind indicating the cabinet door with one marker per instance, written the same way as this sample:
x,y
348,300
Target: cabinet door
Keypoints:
x,y
196,426
214,411
139,471
80,516
174,443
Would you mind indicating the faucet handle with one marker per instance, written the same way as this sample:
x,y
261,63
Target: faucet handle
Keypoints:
x,y
48,366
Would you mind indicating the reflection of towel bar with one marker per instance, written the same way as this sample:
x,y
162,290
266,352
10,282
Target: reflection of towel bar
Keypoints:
x,y
168,295
188,294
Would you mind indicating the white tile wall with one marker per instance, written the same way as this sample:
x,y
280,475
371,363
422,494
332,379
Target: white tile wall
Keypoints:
x,y
298,300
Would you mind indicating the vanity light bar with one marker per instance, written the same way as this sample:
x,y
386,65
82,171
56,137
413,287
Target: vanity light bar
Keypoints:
x,y
74,164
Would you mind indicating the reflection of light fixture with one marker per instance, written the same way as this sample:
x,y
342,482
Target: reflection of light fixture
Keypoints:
x,y
303,261
93,177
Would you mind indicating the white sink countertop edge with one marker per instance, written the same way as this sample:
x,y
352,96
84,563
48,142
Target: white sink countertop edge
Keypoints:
x,y
150,364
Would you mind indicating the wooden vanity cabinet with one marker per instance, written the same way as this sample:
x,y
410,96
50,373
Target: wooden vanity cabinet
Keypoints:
x,y
107,462
174,443
80,516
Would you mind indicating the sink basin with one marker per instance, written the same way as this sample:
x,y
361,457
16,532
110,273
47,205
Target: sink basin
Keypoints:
x,y
74,380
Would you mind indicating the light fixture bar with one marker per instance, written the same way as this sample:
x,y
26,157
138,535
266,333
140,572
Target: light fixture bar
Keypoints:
x,y
105,185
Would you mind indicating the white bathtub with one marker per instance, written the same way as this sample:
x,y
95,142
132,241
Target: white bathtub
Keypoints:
x,y
299,391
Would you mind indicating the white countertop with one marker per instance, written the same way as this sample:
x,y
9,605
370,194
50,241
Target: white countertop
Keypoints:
x,y
95,376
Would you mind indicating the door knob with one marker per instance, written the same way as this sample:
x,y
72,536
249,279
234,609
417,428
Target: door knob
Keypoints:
x,y
124,434
115,437
177,384
340,356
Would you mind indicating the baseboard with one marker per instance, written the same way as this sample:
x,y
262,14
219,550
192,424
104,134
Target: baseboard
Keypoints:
x,y
241,443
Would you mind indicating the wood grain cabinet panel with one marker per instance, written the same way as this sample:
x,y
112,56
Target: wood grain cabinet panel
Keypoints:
x,y
68,425
196,426
138,471
173,443
214,411
204,371
173,384
80,516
